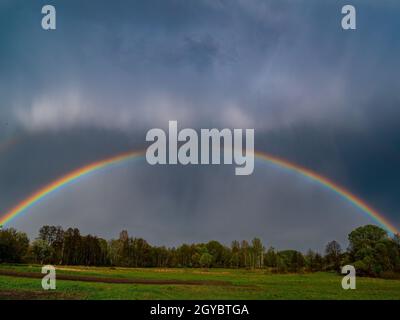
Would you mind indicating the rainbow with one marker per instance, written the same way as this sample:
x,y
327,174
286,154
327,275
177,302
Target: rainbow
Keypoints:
x,y
65,180
329,184
73,176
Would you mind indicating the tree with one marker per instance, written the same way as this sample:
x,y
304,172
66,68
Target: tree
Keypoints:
x,y
333,253
206,259
365,237
270,258
42,251
13,245
281,264
140,249
310,260
258,251
235,254
216,250
244,252
318,262
54,237
293,259
298,262
72,249
369,250
184,255
396,240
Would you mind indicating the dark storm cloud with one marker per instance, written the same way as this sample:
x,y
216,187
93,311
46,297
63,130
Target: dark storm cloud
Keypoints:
x,y
232,63
317,95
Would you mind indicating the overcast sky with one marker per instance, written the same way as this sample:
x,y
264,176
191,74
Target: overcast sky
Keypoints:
x,y
317,95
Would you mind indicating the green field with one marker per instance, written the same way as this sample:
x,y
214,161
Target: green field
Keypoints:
x,y
229,284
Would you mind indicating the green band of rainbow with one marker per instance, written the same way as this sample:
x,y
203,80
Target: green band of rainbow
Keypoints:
x,y
98,165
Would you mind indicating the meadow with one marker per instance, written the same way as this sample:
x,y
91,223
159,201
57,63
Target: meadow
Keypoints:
x,y
181,283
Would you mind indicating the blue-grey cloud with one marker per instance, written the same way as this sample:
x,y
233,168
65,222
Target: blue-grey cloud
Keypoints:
x,y
317,95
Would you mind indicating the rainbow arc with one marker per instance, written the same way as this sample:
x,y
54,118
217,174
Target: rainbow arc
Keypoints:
x,y
73,176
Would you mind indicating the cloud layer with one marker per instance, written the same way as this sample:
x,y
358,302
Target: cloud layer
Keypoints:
x,y
317,95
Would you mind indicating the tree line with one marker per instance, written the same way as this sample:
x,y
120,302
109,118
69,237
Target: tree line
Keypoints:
x,y
371,250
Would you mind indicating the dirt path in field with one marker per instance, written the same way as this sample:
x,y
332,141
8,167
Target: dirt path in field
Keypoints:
x,y
19,274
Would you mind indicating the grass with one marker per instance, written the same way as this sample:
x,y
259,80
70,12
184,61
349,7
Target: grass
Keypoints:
x,y
244,284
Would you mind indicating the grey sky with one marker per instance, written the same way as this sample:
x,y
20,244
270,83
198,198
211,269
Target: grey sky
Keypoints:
x,y
315,94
